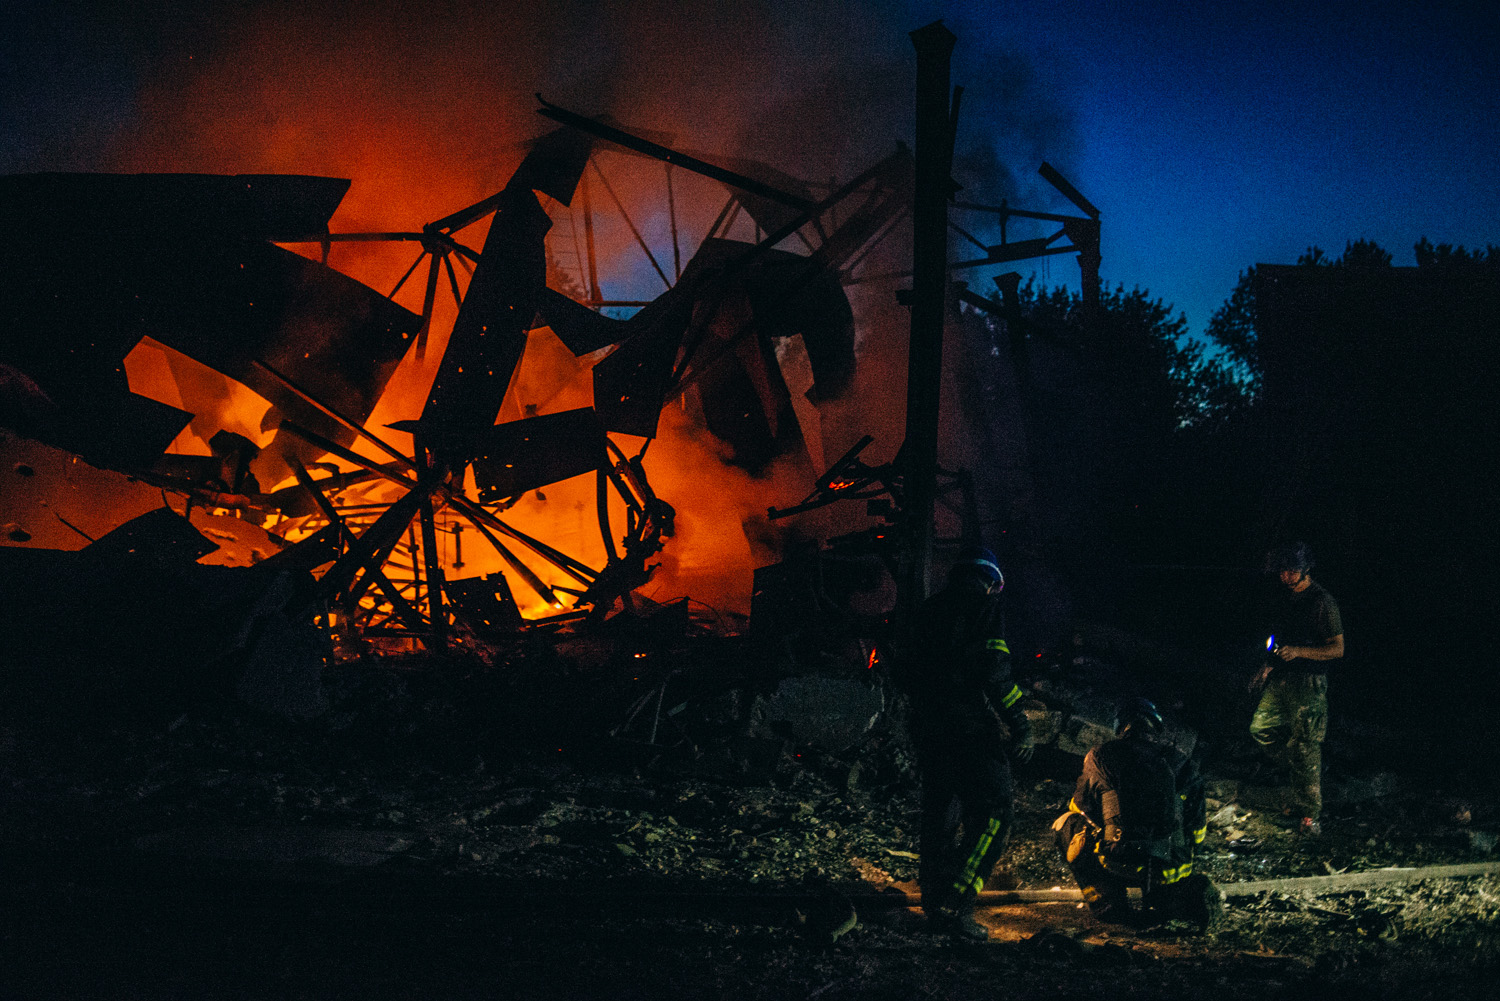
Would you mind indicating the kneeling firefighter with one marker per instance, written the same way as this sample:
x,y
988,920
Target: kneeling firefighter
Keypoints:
x,y
1136,815
957,674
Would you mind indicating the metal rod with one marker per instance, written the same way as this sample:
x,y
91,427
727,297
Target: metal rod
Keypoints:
x,y
588,239
408,614
1006,210
514,562
601,493
429,297
636,495
408,274
661,694
1061,183
1001,259
729,203
561,560
374,545
80,531
356,238
334,448
308,398
414,556
454,246
458,299
672,217
434,565
968,236
623,138
427,236
467,216
609,189
733,216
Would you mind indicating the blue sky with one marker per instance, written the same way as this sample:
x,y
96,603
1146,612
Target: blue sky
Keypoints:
x,y
1214,136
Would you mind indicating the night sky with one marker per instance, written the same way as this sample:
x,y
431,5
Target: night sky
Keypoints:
x,y
1211,136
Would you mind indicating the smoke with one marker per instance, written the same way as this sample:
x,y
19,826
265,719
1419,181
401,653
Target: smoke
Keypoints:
x,y
427,108
439,96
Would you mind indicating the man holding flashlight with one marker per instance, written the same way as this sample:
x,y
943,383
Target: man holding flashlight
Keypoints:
x,y
1291,718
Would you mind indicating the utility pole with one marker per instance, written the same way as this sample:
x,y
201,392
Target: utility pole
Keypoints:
x,y
937,113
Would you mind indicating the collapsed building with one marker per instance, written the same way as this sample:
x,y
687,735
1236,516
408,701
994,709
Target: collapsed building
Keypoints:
x,y
191,262
332,539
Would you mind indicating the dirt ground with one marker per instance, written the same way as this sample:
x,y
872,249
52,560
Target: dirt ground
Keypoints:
x,y
417,841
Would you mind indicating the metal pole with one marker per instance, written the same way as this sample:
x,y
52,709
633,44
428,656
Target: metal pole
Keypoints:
x,y
434,568
588,241
672,216
428,298
933,169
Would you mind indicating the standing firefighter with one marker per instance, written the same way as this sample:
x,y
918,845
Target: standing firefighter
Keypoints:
x,y
957,674
1135,817
1291,719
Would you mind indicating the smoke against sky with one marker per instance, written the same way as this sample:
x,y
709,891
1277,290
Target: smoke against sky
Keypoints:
x,y
1211,136
332,87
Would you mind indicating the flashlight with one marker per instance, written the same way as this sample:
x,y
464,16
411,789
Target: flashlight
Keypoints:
x,y
1271,644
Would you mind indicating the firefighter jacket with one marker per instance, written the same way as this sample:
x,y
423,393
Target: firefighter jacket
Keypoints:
x,y
1145,808
956,670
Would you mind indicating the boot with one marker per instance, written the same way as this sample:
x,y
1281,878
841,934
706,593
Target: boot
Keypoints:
x,y
1199,902
959,922
953,914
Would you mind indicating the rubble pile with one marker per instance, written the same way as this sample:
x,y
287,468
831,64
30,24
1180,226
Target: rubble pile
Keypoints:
x,y
415,772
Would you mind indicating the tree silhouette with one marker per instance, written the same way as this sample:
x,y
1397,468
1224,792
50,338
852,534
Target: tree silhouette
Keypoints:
x,y
1232,328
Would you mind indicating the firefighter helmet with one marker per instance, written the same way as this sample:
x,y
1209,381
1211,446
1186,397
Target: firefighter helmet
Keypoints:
x,y
1293,556
1138,715
979,561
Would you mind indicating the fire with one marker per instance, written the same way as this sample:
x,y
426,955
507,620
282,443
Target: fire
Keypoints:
x,y
304,95
219,403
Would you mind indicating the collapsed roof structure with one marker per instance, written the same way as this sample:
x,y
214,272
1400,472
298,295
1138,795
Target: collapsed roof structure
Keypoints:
x,y
192,263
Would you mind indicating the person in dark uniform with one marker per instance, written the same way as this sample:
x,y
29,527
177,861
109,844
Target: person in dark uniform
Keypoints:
x,y
957,675
1135,818
1291,718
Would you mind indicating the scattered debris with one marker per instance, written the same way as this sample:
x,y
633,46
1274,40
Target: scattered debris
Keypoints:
x,y
278,845
829,714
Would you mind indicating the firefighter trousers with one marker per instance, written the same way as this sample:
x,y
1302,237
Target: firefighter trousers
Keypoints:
x,y
1104,889
967,807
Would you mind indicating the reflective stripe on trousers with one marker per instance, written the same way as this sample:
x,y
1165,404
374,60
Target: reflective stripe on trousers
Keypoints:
x,y
969,876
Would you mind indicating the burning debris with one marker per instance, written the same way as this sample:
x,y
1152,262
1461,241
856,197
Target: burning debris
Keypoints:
x,y
178,282
186,266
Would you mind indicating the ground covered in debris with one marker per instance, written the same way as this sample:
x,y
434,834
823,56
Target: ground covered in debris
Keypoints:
x,y
417,838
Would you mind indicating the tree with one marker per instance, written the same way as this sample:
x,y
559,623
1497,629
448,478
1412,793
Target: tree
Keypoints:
x,y
1446,256
1232,328
1173,382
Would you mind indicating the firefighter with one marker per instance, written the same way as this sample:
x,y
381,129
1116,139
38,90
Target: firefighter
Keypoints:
x,y
957,674
1291,718
1135,818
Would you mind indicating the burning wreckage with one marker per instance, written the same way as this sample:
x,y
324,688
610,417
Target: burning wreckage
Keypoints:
x,y
192,263
350,553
